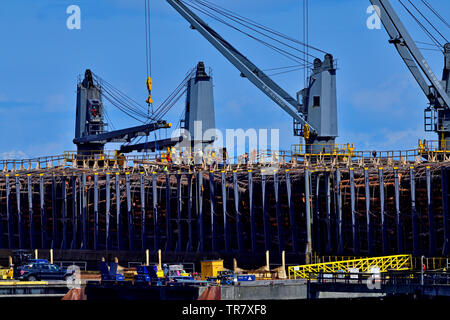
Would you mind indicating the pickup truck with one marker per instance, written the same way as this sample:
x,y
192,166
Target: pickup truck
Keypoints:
x,y
42,271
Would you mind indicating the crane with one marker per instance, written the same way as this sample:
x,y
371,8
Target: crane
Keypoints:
x,y
315,117
437,114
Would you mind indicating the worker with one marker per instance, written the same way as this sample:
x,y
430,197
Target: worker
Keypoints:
x,y
245,158
166,270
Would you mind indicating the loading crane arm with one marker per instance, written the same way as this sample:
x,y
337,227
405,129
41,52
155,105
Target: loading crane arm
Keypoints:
x,y
246,67
411,55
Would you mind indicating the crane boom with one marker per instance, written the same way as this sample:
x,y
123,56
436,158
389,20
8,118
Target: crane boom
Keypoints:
x,y
411,54
245,66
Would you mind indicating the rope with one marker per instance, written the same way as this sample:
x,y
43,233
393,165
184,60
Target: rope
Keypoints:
x,y
436,13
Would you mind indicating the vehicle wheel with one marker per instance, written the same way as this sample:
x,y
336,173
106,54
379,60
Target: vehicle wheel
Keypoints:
x,y
31,278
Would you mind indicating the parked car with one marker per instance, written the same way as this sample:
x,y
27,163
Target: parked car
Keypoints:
x,y
42,271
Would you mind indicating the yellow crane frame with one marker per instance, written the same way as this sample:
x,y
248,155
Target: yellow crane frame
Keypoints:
x,y
308,271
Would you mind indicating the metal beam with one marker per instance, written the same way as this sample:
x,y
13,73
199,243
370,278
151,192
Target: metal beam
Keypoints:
x,y
118,214
129,213
252,212
226,230
74,214
143,220
368,214
212,200
415,233
384,239
308,251
190,227
84,212
278,212
265,213
179,247
96,211
398,212
30,211
108,211
339,233
354,213
294,233
328,208
42,209
168,215
156,244
9,215
444,183
19,214
316,220
240,241
201,234
431,229
54,242
64,212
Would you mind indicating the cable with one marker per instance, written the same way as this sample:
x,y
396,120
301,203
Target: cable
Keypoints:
x,y
421,25
281,51
253,29
443,37
258,25
436,13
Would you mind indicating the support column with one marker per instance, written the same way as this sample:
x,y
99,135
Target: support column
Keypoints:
x,y
201,245
212,199
9,215
168,217
30,212
19,214
240,241
96,211
143,220
397,212
368,215
415,233
431,229
444,183
328,208
118,214
340,238
42,207
55,240
156,245
74,214
278,212
316,221
308,217
252,213
64,212
108,211
179,227
265,214
224,209
383,213
294,233
190,230
353,208
129,213
84,212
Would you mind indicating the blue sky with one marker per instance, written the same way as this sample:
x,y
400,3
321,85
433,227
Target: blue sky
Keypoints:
x,y
379,104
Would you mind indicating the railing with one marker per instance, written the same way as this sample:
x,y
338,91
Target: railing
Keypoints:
x,y
396,262
64,264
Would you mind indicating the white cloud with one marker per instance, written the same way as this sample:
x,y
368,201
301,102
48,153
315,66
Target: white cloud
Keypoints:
x,y
13,155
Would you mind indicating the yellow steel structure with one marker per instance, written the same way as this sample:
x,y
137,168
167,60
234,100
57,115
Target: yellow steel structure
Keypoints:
x,y
397,262
6,274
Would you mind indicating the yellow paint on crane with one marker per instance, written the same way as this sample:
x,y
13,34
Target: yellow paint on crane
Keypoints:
x,y
149,88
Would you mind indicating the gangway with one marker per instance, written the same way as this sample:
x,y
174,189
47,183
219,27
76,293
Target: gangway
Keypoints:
x,y
386,263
